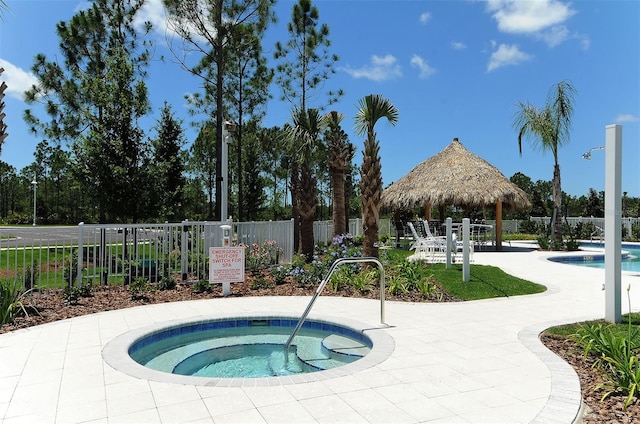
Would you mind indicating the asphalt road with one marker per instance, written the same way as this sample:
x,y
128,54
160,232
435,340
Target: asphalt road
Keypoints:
x,y
56,236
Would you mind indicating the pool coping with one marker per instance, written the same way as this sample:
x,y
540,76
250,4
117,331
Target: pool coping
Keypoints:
x,y
115,353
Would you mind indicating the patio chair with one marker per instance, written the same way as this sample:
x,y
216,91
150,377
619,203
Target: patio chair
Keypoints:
x,y
426,242
433,249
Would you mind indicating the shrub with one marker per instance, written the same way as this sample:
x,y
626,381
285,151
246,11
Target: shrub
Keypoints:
x,y
71,267
410,276
259,281
340,278
309,274
571,244
202,286
279,273
258,257
11,297
139,288
397,284
543,242
616,354
527,226
167,283
364,280
425,287
72,294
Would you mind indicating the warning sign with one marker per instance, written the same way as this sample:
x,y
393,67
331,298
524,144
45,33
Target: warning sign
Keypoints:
x,y
226,264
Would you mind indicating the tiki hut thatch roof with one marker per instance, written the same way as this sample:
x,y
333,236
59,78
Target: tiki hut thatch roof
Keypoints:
x,y
454,176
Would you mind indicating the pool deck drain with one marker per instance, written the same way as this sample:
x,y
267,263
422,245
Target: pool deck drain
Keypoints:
x,y
467,362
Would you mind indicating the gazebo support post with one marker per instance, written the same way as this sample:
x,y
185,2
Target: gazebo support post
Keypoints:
x,y
499,226
427,212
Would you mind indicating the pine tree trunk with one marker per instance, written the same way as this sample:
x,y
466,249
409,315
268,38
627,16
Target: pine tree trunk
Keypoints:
x,y
294,187
308,200
337,182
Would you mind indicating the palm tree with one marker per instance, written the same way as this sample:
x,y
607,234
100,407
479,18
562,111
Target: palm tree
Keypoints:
x,y
371,109
3,7
339,152
548,128
304,137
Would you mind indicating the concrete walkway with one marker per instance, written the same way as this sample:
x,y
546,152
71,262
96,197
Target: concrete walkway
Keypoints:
x,y
470,362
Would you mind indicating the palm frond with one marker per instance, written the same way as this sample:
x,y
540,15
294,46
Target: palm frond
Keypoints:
x,y
371,109
304,134
560,103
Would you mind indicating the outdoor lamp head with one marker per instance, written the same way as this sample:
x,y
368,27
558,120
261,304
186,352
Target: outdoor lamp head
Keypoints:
x,y
229,126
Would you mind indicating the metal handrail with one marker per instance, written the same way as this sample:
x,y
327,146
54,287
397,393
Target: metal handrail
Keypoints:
x,y
598,231
324,282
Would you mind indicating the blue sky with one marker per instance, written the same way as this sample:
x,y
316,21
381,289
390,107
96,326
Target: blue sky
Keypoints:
x,y
452,68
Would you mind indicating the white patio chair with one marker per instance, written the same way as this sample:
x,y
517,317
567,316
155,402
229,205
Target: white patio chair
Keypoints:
x,y
426,243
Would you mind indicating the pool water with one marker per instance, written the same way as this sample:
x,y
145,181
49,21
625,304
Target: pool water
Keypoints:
x,y
249,348
630,257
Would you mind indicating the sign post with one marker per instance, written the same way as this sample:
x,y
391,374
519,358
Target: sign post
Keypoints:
x,y
226,266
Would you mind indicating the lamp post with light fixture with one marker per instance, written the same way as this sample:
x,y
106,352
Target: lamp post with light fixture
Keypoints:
x,y
35,185
227,129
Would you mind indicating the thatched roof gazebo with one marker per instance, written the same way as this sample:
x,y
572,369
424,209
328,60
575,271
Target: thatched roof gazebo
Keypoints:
x,y
456,176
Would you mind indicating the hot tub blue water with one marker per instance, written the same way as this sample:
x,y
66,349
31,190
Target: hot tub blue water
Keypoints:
x,y
249,348
595,259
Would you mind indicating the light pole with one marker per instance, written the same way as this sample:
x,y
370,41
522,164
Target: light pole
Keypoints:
x,y
35,186
612,221
227,128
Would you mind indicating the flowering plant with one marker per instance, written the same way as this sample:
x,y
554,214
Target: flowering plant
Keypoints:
x,y
258,257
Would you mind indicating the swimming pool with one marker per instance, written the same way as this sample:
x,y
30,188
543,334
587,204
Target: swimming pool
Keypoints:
x,y
242,350
249,348
593,256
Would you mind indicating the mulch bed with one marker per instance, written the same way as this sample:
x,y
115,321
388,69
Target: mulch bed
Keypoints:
x,y
51,307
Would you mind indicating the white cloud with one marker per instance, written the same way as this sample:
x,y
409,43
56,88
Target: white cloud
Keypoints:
x,y
83,5
521,17
425,17
585,41
457,45
18,81
542,19
507,55
153,11
626,117
555,36
425,70
381,68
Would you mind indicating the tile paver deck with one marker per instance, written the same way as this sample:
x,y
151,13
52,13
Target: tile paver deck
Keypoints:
x,y
468,362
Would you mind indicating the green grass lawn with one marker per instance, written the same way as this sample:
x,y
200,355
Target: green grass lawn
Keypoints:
x,y
568,330
485,281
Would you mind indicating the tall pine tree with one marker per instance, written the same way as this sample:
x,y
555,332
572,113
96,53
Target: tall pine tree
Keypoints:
x,y
94,100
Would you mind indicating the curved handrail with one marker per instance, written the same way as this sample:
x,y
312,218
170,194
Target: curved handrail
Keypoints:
x,y
324,282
